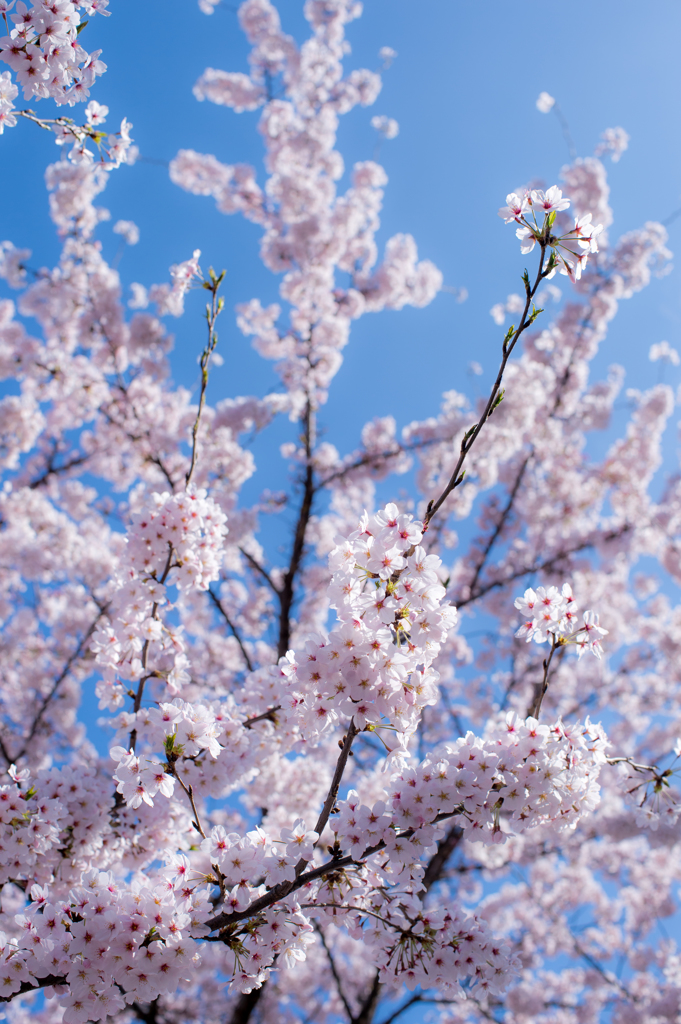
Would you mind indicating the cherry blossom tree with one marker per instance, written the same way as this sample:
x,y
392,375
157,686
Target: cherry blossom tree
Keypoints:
x,y
321,799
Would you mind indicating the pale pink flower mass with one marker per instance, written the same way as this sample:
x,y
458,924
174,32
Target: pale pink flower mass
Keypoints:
x,y
545,102
347,769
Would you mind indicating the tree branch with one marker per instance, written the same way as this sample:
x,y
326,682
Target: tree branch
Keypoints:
x,y
501,522
27,986
334,971
548,563
416,998
509,344
213,310
259,569
286,594
145,651
283,889
337,777
55,686
218,604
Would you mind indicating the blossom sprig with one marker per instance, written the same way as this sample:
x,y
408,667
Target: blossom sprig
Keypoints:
x,y
43,50
535,212
110,149
177,539
648,788
551,614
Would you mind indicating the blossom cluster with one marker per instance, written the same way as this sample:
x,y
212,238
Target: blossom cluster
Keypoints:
x,y
614,141
387,127
552,613
570,249
169,299
45,54
402,938
108,944
54,823
520,772
206,746
177,540
441,946
375,666
43,50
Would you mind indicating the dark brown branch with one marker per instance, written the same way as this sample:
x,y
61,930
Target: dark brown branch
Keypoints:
x,y
245,1005
438,862
540,692
369,1003
501,522
269,715
27,986
278,892
55,686
334,971
259,569
337,778
3,752
416,998
287,592
145,651
218,604
52,470
147,1012
247,1002
157,461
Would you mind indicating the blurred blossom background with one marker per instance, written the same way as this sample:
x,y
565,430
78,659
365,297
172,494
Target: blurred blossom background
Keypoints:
x,y
465,116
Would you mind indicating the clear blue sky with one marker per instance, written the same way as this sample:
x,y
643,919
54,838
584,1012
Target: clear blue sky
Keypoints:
x,y
463,89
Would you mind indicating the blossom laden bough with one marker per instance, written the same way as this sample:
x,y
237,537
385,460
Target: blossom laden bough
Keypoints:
x,y
316,753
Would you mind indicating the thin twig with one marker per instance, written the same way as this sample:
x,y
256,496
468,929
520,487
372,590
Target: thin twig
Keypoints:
x,y
542,687
52,470
332,795
501,522
287,592
259,569
416,998
565,128
145,652
218,604
334,970
189,790
55,686
496,394
548,563
213,310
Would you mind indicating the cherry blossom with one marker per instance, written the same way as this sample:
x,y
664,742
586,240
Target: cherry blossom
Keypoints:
x,y
545,102
614,141
352,771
